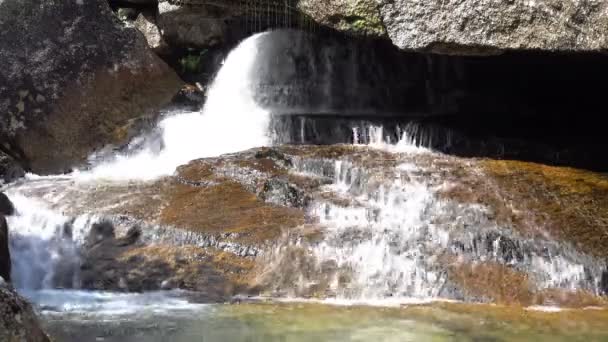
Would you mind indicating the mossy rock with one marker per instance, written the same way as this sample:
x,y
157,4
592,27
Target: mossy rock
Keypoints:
x,y
359,17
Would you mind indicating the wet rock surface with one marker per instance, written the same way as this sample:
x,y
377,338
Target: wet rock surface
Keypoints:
x,y
127,263
56,58
291,220
5,256
18,321
6,208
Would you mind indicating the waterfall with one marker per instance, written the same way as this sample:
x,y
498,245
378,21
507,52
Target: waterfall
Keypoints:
x,y
391,238
230,121
45,245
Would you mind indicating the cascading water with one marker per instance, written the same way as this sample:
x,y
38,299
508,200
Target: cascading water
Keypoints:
x,y
396,238
230,121
44,245
391,239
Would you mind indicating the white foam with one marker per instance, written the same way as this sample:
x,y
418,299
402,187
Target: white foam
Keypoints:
x,y
100,303
43,241
377,139
230,121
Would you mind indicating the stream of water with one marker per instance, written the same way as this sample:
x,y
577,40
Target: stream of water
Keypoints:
x,y
384,240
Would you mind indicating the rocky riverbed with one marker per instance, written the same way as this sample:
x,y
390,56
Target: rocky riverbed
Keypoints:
x,y
255,222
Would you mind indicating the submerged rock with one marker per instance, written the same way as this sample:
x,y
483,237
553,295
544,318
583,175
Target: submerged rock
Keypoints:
x,y
18,322
71,74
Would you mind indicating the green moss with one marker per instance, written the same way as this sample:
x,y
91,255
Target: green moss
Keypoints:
x,y
363,17
360,17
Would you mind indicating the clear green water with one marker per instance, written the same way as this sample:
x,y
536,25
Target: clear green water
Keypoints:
x,y
317,322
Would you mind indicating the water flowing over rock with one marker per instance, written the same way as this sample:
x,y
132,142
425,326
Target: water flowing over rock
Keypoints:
x,y
377,217
56,61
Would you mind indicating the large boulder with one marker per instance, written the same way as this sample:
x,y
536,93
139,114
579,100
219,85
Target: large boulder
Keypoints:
x,y
18,322
71,77
471,27
360,17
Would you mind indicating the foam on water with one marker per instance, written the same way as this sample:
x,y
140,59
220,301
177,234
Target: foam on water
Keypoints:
x,y
112,304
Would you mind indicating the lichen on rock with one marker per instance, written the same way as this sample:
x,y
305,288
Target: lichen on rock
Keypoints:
x,y
361,17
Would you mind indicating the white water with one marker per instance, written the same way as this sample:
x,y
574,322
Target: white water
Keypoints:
x,y
230,121
112,304
394,256
376,138
391,220
44,244
388,246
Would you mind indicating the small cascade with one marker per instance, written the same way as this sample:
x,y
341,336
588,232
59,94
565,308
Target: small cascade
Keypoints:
x,y
388,235
377,239
45,245
230,121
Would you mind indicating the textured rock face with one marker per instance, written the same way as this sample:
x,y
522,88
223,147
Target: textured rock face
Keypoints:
x,y
147,26
353,16
70,76
471,27
191,27
18,323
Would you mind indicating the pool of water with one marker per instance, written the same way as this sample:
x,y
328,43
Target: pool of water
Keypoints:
x,y
78,316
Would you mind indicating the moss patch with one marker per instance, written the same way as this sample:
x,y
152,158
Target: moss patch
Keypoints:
x,y
501,284
361,17
569,204
492,281
227,208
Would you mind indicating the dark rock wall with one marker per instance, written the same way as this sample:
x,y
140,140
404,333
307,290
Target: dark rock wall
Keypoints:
x,y
70,76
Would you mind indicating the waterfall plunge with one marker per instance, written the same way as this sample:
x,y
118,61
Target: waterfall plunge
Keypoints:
x,y
230,121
